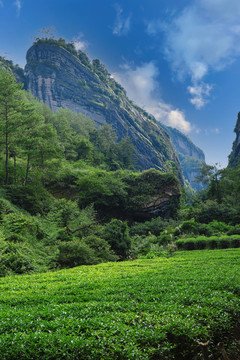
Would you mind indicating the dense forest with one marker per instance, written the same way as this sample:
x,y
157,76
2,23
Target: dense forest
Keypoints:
x,y
71,194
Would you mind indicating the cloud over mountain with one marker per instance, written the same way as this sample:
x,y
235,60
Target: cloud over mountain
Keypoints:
x,y
142,87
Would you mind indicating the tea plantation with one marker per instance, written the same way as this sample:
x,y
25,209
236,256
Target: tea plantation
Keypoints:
x,y
182,307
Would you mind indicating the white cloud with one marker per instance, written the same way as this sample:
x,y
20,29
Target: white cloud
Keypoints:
x,y
204,37
200,93
142,87
177,119
18,5
79,43
122,22
154,26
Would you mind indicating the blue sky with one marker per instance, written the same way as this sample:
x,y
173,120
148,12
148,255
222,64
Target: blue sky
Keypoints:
x,y
180,60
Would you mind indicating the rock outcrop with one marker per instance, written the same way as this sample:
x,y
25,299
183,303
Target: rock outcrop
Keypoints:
x,y
190,156
61,77
234,157
161,197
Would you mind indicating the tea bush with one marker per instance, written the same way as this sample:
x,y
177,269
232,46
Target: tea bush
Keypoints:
x,y
158,308
212,242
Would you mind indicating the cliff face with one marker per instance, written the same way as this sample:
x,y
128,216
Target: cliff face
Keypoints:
x,y
234,157
190,156
184,145
61,79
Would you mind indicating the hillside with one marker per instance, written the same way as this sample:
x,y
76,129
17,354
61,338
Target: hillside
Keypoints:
x,y
62,77
161,308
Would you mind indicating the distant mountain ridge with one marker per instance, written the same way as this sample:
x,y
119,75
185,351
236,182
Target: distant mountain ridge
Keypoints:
x,y
191,157
234,157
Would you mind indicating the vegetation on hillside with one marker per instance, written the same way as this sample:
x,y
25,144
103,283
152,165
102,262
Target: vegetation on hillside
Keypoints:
x,y
67,188
178,308
70,195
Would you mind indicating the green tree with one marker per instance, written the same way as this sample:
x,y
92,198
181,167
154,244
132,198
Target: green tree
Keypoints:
x,y
125,152
11,109
37,143
210,175
116,233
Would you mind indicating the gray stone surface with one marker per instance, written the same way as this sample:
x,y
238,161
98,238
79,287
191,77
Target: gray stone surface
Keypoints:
x,y
59,79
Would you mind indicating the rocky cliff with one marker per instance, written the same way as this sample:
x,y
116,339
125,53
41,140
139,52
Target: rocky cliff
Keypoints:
x,y
61,77
234,157
190,156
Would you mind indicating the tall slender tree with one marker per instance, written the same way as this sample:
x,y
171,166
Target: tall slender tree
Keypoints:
x,y
11,107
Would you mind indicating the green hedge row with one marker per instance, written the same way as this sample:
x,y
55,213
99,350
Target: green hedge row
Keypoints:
x,y
212,242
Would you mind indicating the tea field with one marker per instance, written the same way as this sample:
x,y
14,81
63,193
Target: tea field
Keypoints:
x,y
182,307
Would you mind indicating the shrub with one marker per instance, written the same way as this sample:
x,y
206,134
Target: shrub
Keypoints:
x,y
191,227
19,224
211,210
211,242
34,199
234,230
75,253
218,227
101,248
141,245
6,207
63,212
155,252
17,258
154,226
235,241
116,233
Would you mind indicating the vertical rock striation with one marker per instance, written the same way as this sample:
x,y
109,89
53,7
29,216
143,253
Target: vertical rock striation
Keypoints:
x,y
234,157
59,78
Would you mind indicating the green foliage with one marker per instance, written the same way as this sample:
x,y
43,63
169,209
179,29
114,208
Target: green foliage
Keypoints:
x,y
154,226
210,210
63,213
19,224
54,42
105,189
74,253
17,258
141,245
84,58
100,69
32,198
146,309
212,242
116,233
147,183
101,247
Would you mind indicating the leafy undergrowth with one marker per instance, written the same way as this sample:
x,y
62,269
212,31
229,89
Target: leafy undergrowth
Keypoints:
x,y
211,242
144,309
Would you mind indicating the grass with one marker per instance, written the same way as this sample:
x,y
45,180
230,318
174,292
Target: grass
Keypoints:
x,y
145,309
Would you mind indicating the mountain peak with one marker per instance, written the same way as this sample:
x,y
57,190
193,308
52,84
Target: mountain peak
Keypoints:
x,y
62,77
